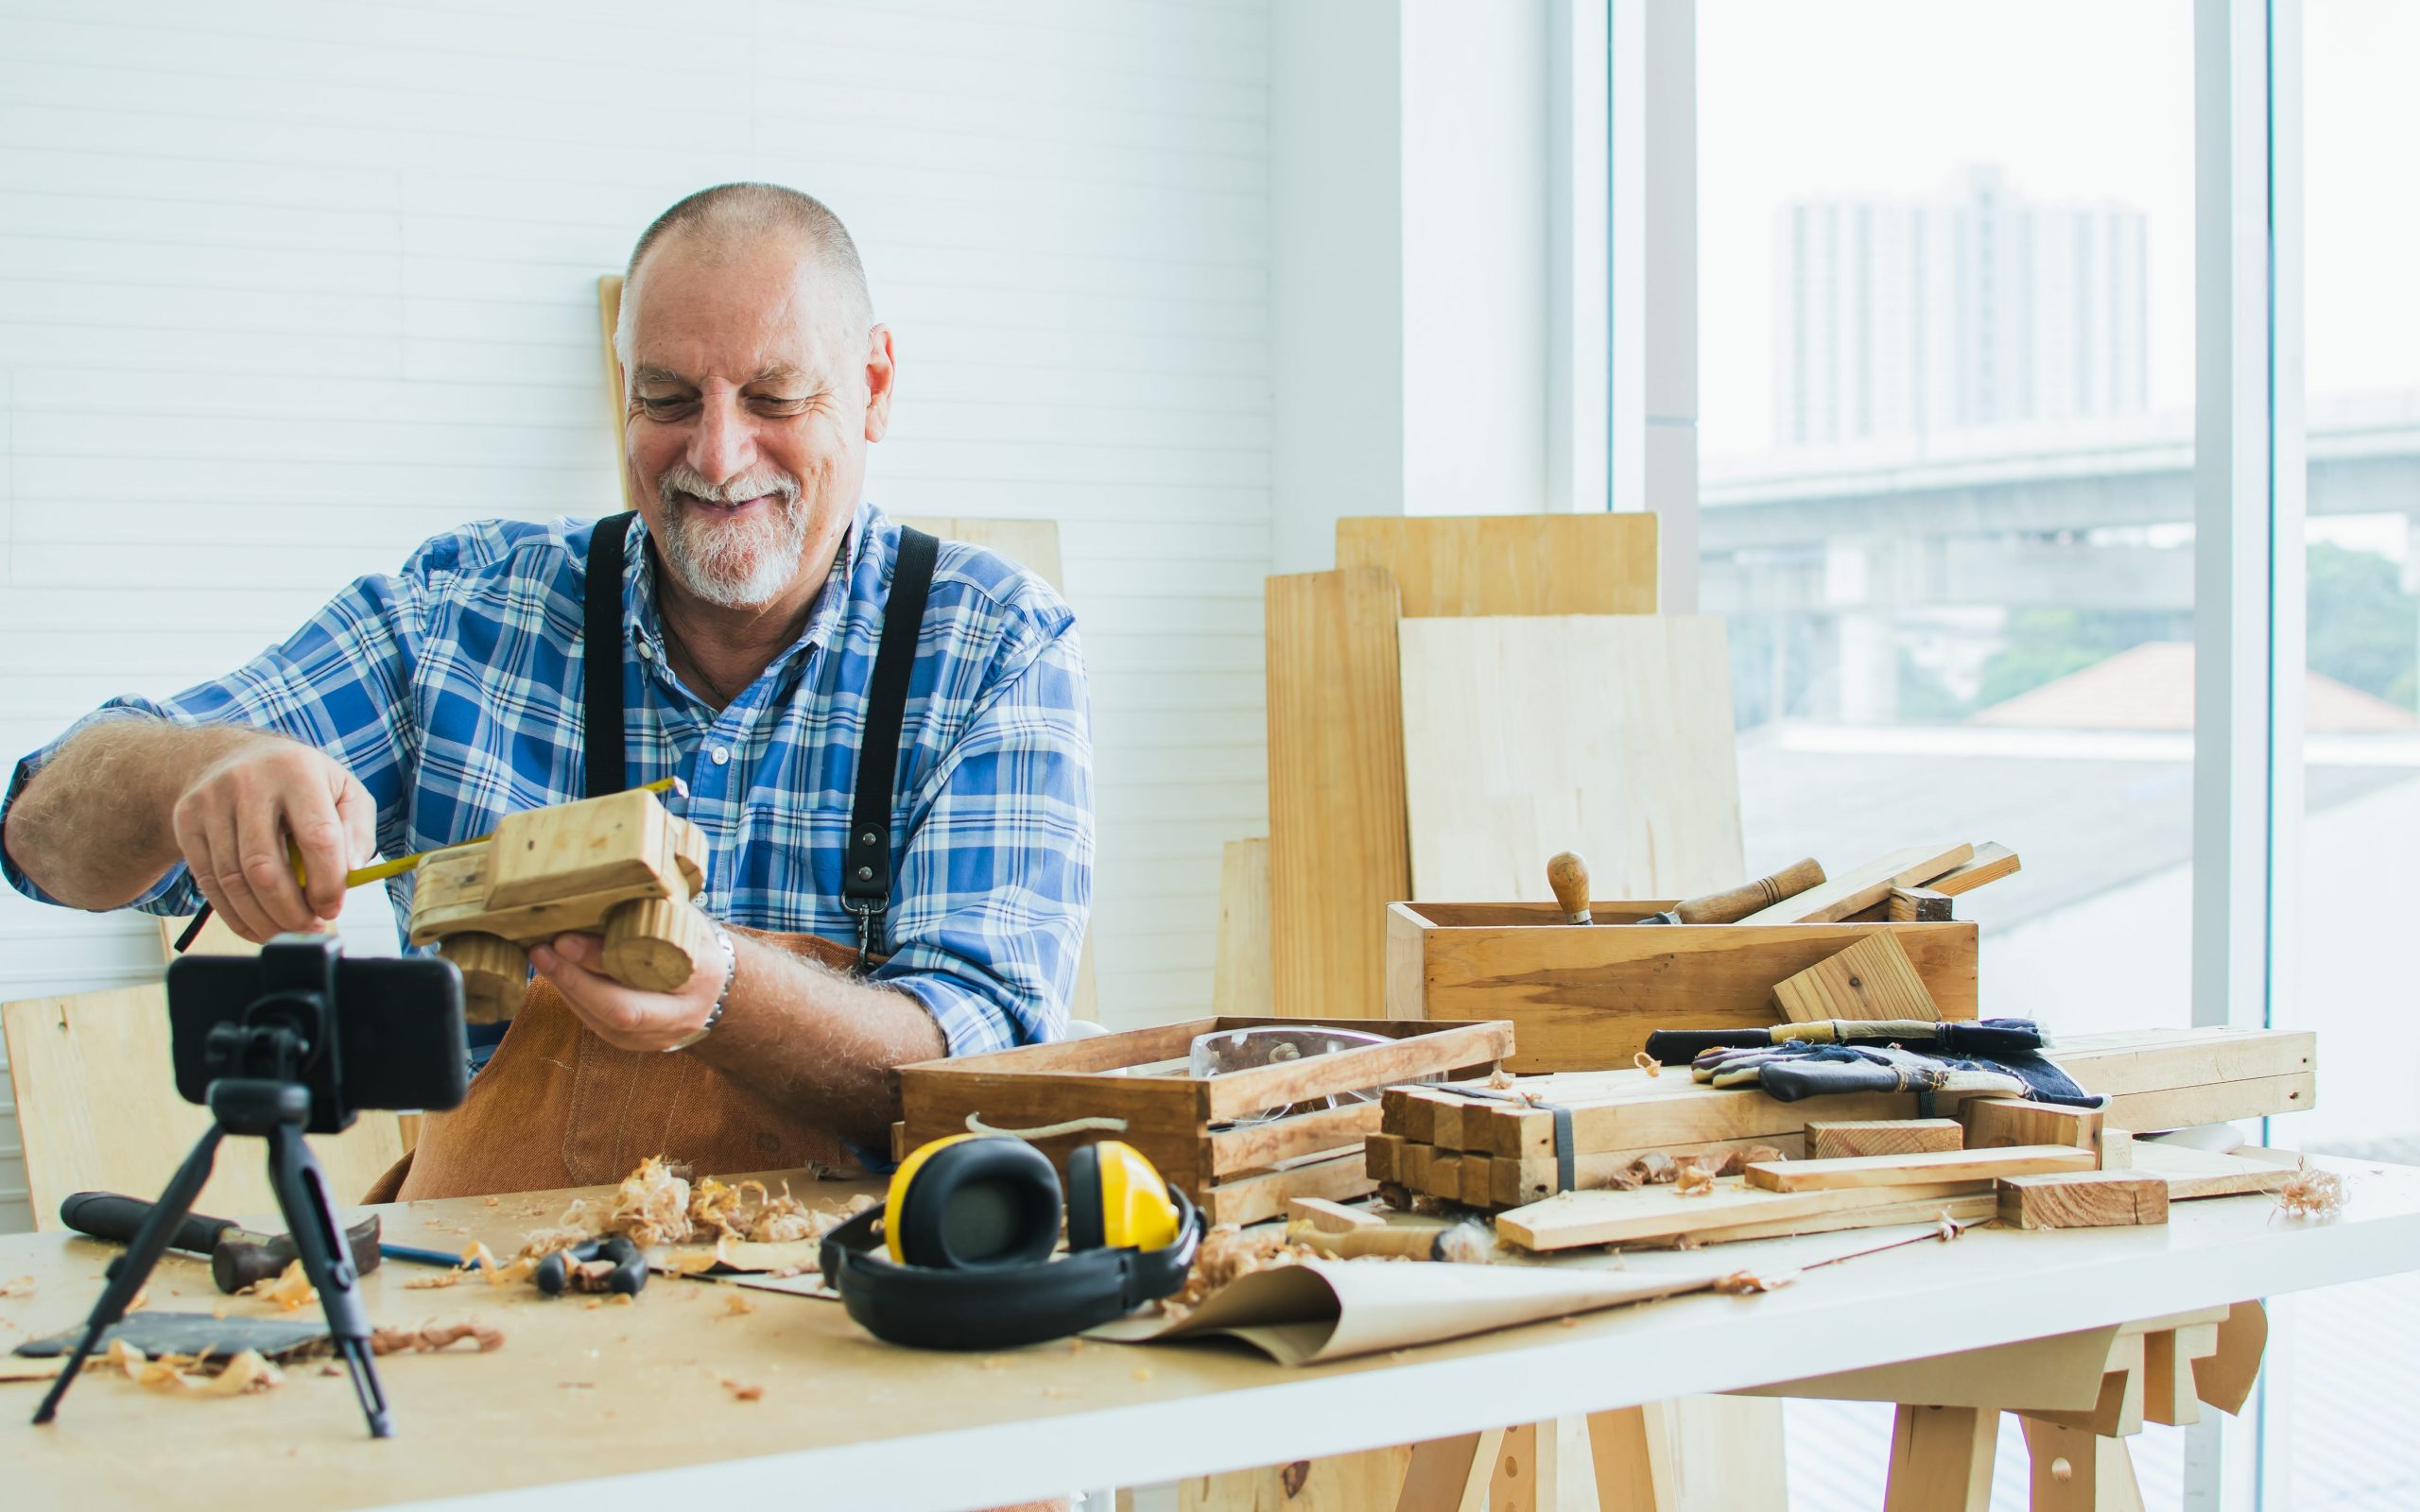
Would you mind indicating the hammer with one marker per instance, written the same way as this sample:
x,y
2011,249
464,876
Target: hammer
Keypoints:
x,y
238,1257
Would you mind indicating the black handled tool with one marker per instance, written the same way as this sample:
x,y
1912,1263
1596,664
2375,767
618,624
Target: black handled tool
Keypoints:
x,y
611,1264
238,1257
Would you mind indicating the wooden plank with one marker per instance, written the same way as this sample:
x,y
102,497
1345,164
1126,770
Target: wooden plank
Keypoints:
x,y
1330,1217
1517,1182
2165,1059
1258,1147
2189,1173
1339,850
1418,1050
1833,1140
1991,862
1941,1459
2083,1199
1864,885
573,849
1976,1207
1256,1199
1382,1157
1477,1189
1912,905
1602,563
2075,1471
2213,1103
1996,1123
1240,980
1915,1170
1575,1218
97,1111
1525,736
1451,1474
1872,979
1586,998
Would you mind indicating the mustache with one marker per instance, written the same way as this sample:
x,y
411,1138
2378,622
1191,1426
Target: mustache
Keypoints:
x,y
680,483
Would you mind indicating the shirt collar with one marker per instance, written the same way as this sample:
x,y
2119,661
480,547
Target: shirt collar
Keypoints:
x,y
645,616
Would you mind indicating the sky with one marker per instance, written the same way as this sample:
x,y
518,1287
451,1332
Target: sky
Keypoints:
x,y
2073,99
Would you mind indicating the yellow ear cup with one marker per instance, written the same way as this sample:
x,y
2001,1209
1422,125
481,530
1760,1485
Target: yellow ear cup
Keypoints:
x,y
895,1204
1135,1205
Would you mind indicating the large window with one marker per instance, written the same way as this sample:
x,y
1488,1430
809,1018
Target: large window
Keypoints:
x,y
1946,353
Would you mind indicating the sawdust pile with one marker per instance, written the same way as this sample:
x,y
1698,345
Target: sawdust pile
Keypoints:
x,y
662,1203
1228,1254
185,1375
430,1337
2313,1193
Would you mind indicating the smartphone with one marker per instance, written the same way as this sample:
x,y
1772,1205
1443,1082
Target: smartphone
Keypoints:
x,y
397,1040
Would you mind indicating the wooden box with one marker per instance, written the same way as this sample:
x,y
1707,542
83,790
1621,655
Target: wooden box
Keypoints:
x,y
1239,1174
1583,997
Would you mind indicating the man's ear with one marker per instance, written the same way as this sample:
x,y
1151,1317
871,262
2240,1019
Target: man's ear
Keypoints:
x,y
882,372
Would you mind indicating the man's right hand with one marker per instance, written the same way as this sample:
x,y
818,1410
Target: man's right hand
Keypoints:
x,y
233,818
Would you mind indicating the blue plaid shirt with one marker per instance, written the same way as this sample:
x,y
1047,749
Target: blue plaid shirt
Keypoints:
x,y
451,690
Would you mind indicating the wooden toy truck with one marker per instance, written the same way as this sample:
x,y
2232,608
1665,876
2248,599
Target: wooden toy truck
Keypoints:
x,y
621,865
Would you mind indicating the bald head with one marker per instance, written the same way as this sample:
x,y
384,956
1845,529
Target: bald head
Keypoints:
x,y
736,218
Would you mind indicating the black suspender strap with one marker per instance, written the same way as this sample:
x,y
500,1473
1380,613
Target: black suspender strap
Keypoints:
x,y
600,655
865,864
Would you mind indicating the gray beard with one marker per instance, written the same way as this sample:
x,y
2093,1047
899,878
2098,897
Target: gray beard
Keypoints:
x,y
733,566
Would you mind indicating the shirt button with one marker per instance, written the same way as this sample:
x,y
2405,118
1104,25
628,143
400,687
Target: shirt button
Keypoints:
x,y
647,652
722,755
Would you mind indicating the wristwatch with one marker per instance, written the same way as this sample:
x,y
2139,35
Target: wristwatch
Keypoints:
x,y
714,1015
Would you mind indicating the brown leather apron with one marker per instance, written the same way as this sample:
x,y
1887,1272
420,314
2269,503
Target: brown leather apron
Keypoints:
x,y
558,1107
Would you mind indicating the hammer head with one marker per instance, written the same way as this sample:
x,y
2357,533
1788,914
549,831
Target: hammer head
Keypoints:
x,y
243,1258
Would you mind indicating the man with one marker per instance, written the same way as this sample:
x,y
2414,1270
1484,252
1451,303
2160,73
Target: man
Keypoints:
x,y
419,709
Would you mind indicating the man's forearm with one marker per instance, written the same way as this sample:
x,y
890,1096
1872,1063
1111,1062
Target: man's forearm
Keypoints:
x,y
809,1037
92,829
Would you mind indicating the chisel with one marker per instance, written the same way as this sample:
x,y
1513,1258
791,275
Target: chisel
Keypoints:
x,y
1734,903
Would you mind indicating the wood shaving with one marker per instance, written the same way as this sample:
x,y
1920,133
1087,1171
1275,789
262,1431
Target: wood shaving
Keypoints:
x,y
1747,1282
431,1338
184,1375
289,1288
492,1201
433,1282
519,1269
652,1204
1500,1079
1655,1168
1690,1179
738,1304
743,1393
2313,1193
142,1298
1648,1063
1228,1254
21,1287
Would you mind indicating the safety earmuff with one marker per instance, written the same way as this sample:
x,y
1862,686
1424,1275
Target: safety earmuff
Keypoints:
x,y
959,1256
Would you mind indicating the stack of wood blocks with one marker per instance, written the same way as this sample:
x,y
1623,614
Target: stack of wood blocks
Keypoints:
x,y
1493,1148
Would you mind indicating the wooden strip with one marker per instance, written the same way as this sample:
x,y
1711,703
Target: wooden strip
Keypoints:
x,y
1862,886
2189,1173
2083,1199
1518,1182
1576,1218
1330,1217
1914,1170
1872,979
1975,1206
1339,847
1831,1140
2212,1103
1602,563
1258,1146
1254,1198
1478,1181
1420,1049
1996,1123
1991,862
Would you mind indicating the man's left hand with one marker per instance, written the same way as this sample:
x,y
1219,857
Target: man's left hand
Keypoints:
x,y
624,1017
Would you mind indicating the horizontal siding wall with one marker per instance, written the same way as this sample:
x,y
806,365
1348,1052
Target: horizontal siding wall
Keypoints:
x,y
287,287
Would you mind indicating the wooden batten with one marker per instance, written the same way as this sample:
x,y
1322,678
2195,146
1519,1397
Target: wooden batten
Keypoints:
x,y
1828,1140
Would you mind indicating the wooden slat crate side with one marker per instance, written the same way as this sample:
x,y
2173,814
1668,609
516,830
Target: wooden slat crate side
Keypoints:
x,y
1258,1147
1164,1116
1253,1198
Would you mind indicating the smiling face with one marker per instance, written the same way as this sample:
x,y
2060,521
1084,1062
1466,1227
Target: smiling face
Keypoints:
x,y
755,384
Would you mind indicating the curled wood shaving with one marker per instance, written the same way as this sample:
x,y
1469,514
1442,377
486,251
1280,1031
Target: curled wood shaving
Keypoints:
x,y
20,1286
1655,1168
652,1204
1228,1254
1648,1063
184,1376
1746,1282
430,1337
1499,1079
1690,1179
520,1267
743,1393
289,1288
2313,1193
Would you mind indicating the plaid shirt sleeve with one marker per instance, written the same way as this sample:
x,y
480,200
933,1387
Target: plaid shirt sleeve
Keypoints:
x,y
995,881
338,685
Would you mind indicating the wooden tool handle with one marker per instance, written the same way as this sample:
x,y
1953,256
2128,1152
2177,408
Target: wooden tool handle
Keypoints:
x,y
1569,876
1739,902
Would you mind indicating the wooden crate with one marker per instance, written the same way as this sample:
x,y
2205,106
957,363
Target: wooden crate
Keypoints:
x,y
1184,1124
1583,997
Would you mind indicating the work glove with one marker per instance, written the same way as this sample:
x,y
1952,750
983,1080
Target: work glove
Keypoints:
x,y
1987,1038
1797,1069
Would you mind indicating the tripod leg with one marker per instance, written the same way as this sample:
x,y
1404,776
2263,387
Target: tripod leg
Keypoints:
x,y
131,1270
327,1260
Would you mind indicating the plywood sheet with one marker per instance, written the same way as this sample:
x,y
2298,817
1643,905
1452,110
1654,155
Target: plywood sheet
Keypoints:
x,y
1606,734
1338,852
1510,564
97,1106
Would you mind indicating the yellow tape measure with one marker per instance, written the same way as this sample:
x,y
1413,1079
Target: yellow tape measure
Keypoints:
x,y
381,870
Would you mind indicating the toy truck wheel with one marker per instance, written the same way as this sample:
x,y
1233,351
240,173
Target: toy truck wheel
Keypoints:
x,y
496,973
655,944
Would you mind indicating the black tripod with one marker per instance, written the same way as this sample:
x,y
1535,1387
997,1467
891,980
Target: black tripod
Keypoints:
x,y
259,1091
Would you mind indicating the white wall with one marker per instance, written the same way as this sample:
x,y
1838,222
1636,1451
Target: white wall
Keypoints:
x,y
285,287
